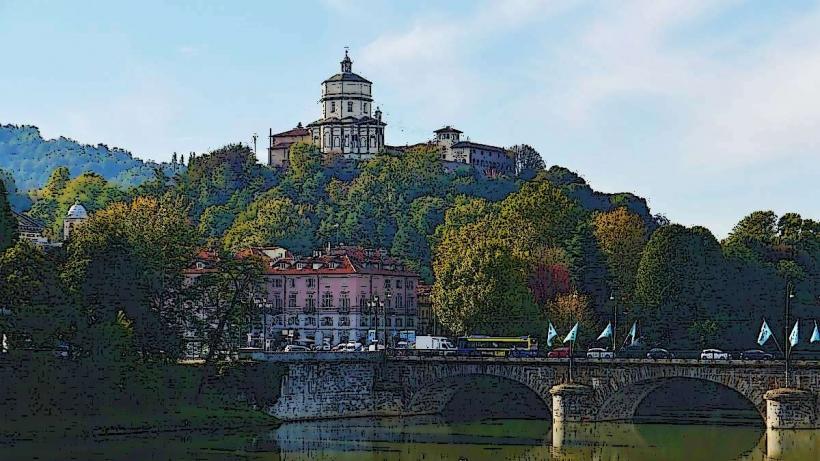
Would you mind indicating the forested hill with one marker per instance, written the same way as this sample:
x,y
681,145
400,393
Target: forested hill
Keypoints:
x,y
31,159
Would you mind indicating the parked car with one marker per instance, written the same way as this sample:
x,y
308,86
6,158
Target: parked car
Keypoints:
x,y
714,354
350,347
295,348
375,346
600,353
756,354
559,353
659,353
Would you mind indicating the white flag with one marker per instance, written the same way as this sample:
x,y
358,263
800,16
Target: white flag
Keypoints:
x,y
551,334
572,334
765,333
794,336
607,333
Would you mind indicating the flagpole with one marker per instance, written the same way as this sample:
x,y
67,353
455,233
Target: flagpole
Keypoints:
x,y
571,343
787,344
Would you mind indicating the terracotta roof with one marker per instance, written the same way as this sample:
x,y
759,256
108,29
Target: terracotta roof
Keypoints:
x,y
340,261
283,145
448,129
298,131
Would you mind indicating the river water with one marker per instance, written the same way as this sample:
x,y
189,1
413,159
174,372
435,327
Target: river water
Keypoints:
x,y
433,438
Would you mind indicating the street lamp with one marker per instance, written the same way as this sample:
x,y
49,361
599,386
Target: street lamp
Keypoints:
x,y
614,320
788,345
385,304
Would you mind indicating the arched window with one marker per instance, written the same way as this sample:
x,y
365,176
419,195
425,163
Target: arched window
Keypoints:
x,y
350,106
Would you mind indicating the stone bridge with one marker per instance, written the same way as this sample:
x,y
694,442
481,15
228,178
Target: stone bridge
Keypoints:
x,y
328,385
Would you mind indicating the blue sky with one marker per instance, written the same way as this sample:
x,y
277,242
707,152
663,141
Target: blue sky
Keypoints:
x,y
710,110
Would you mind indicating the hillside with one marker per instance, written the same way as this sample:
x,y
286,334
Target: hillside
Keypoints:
x,y
31,159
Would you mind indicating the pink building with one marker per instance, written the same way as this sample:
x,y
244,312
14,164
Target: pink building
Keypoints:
x,y
323,298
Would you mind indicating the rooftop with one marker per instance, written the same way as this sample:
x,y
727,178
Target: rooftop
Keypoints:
x,y
476,145
448,129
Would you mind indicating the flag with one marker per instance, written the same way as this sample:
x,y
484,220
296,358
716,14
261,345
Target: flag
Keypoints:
x,y
607,333
572,334
632,332
794,336
815,335
765,333
551,334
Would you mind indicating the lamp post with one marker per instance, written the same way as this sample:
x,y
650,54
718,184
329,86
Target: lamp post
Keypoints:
x,y
788,345
384,319
614,320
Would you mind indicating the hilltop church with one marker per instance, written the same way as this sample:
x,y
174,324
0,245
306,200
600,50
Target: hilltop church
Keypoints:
x,y
346,127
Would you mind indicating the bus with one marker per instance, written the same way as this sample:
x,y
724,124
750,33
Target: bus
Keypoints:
x,y
497,346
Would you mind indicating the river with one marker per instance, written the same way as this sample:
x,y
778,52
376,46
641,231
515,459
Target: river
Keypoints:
x,y
433,439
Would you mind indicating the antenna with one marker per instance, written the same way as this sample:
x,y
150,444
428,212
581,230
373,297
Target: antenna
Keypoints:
x,y
255,137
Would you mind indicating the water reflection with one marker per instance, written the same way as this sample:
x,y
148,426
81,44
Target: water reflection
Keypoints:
x,y
433,438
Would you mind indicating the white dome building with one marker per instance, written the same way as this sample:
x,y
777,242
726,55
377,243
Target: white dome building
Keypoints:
x,y
76,215
346,125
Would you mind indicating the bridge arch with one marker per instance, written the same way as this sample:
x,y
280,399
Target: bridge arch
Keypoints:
x,y
432,388
618,400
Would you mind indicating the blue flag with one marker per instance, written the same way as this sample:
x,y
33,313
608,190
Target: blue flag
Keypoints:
x,y
765,333
815,336
551,334
633,332
794,336
572,334
607,333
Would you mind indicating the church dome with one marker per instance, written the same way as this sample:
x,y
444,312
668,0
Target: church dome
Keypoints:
x,y
77,211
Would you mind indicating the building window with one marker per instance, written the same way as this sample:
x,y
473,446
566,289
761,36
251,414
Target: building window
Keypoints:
x,y
277,301
277,283
344,300
411,302
410,323
389,322
363,322
333,106
292,283
293,320
310,321
350,106
410,284
398,323
398,283
364,107
327,321
344,321
327,299
200,265
309,283
310,303
387,283
362,300
292,299
399,302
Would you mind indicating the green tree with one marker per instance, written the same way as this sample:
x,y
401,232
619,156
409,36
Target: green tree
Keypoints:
x,y
680,280
621,235
226,298
129,258
8,222
30,289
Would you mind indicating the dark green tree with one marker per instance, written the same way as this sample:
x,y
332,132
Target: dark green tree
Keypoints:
x,y
8,222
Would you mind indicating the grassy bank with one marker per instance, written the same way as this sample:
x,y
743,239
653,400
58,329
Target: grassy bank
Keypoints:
x,y
61,398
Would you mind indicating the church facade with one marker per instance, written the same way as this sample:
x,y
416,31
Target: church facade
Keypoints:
x,y
347,126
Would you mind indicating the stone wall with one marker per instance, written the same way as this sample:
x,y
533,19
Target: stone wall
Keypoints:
x,y
346,385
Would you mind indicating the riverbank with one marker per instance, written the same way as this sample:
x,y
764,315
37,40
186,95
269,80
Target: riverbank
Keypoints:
x,y
63,398
188,418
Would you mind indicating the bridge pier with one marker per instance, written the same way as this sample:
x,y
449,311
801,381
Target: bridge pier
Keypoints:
x,y
571,403
789,408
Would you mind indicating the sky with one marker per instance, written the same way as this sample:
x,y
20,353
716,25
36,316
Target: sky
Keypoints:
x,y
710,110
